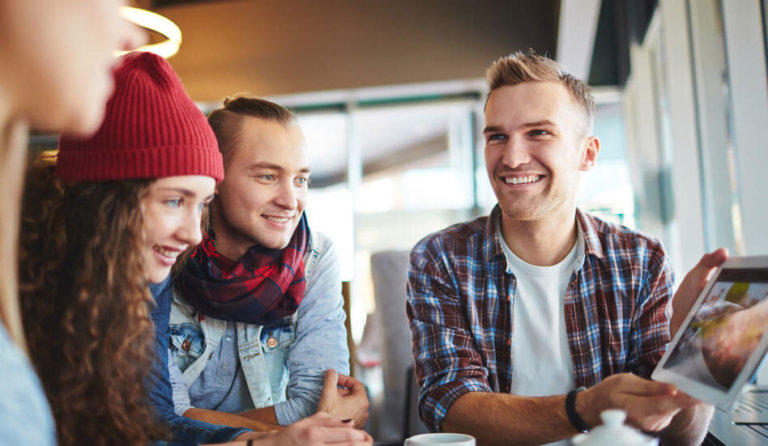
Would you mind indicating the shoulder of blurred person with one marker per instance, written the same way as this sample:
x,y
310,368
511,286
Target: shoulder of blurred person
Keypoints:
x,y
25,417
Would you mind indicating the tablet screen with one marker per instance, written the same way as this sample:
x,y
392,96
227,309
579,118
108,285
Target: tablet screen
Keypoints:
x,y
725,330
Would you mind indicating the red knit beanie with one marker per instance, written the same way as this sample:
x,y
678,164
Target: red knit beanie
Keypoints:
x,y
151,129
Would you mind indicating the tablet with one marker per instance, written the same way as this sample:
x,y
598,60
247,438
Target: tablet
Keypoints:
x,y
721,343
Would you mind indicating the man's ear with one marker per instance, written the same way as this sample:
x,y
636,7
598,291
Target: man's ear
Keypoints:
x,y
589,153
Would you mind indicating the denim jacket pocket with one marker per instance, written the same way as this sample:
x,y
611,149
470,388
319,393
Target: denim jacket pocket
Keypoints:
x,y
187,343
276,341
277,337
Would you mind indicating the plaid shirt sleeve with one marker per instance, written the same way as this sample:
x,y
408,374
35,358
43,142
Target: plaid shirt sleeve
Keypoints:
x,y
447,362
650,334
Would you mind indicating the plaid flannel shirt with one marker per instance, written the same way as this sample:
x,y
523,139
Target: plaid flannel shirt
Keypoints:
x,y
460,303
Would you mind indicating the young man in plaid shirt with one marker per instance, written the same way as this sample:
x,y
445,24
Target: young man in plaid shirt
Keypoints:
x,y
528,323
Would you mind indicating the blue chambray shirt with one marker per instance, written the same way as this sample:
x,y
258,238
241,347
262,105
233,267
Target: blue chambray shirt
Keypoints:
x,y
25,417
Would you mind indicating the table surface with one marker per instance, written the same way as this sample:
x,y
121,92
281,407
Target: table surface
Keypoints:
x,y
734,434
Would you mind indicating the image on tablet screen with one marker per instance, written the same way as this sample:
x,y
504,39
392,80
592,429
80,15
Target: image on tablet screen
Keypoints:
x,y
725,330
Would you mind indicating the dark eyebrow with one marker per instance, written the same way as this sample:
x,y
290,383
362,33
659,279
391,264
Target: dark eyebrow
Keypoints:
x,y
543,122
491,129
264,165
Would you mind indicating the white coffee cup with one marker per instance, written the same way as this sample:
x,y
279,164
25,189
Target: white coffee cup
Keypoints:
x,y
444,439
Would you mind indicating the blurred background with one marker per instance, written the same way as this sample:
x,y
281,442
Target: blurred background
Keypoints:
x,y
390,96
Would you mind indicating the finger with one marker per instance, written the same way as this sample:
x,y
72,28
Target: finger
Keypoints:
x,y
343,434
330,381
348,381
684,401
656,424
645,420
358,389
345,380
635,385
329,392
656,405
715,258
707,264
323,419
354,386
653,423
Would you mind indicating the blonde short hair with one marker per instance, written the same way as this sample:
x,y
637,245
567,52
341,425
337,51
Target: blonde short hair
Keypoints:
x,y
522,67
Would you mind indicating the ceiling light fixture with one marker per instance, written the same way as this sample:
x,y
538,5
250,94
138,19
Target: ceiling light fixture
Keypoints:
x,y
157,23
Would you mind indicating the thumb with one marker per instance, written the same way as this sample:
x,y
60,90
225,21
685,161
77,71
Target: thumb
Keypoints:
x,y
715,258
708,262
330,381
329,392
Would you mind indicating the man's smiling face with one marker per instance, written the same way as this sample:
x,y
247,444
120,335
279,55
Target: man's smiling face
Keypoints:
x,y
536,143
264,192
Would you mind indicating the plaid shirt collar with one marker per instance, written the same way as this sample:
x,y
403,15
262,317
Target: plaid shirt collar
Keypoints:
x,y
492,249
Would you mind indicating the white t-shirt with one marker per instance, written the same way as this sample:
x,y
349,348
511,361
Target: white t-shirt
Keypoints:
x,y
541,358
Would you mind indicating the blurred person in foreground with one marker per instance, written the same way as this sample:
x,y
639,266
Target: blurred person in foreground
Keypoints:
x,y
529,322
103,224
55,74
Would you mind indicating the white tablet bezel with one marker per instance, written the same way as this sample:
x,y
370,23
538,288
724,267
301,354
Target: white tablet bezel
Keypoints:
x,y
723,399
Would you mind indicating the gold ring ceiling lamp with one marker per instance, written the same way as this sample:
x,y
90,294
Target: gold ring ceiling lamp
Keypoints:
x,y
157,23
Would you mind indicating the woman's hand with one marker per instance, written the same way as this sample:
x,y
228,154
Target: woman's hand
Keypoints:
x,y
318,430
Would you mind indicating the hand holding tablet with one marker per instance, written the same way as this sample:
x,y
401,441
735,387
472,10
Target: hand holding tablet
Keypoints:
x,y
650,406
721,341
692,285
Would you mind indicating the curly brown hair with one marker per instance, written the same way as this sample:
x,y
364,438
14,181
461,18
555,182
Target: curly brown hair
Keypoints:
x,y
86,306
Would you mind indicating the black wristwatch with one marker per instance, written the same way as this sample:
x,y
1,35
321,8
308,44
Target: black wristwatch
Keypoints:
x,y
570,410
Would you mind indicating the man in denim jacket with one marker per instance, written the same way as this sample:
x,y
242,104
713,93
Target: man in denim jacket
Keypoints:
x,y
257,314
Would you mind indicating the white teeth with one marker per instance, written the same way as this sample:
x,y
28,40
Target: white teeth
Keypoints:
x,y
278,219
521,180
166,252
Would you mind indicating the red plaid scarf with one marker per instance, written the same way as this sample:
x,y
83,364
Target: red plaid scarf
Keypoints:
x,y
264,286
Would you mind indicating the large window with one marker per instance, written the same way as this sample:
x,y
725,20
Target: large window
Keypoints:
x,y
607,190
721,217
389,171
700,73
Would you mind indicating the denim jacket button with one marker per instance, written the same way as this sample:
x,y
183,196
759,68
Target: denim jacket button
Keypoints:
x,y
271,342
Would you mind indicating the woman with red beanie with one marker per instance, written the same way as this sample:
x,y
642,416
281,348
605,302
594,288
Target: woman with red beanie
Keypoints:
x,y
56,59
108,220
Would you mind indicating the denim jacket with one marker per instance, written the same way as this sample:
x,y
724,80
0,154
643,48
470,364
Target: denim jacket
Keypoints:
x,y
185,431
283,363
